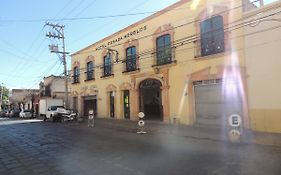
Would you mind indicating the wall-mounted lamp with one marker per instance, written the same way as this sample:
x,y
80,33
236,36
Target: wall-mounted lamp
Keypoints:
x,y
156,70
109,51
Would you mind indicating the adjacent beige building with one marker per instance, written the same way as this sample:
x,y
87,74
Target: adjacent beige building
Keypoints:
x,y
263,61
54,87
24,98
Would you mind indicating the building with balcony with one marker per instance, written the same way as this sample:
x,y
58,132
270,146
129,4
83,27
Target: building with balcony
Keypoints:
x,y
177,65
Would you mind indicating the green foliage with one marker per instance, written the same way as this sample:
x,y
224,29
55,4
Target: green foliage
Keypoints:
x,y
5,96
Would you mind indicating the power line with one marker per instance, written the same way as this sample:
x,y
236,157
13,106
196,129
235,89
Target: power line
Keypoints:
x,y
20,57
84,9
45,73
151,52
40,77
192,38
59,34
62,19
64,7
178,26
180,63
100,27
80,18
23,67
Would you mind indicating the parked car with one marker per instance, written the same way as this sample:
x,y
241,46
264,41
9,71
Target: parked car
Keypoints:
x,y
59,113
14,113
4,113
25,114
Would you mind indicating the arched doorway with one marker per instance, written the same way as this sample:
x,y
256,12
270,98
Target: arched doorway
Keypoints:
x,y
151,99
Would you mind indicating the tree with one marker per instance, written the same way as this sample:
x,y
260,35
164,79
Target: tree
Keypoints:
x,y
5,97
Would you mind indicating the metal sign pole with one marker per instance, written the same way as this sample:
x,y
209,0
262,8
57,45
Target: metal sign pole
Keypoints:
x,y
234,122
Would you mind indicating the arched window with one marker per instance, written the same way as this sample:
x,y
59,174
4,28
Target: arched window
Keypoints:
x,y
131,61
90,70
163,49
76,74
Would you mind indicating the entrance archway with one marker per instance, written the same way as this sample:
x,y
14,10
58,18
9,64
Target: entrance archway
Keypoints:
x,y
90,103
151,99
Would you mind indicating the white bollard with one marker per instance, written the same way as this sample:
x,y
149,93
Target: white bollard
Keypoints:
x,y
91,118
141,123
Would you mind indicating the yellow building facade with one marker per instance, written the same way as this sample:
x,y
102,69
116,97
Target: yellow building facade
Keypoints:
x,y
183,64
262,44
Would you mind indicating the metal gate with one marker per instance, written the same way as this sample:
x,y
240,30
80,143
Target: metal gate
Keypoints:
x,y
90,103
212,105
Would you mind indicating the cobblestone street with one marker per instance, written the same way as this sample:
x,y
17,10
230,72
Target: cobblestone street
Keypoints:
x,y
36,147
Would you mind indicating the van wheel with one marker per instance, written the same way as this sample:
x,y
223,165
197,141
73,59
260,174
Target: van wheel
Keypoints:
x,y
44,118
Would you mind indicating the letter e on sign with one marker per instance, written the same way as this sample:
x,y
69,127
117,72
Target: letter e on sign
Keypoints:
x,y
234,120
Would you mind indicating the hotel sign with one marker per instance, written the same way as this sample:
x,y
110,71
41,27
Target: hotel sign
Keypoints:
x,y
126,35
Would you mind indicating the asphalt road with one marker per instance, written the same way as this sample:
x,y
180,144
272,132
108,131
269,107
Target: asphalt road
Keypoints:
x,y
36,147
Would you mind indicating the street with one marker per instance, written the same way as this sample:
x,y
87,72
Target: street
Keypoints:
x,y
36,147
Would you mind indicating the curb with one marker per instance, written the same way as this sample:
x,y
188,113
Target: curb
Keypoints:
x,y
213,134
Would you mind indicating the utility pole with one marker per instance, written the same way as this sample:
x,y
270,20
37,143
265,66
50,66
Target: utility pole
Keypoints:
x,y
58,33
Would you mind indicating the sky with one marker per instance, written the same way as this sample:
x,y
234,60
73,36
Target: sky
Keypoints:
x,y
24,53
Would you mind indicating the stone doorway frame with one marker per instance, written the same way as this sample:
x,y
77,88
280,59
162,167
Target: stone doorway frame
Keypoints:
x,y
163,77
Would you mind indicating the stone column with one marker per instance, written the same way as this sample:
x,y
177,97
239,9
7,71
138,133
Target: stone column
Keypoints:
x,y
80,106
166,104
165,95
134,100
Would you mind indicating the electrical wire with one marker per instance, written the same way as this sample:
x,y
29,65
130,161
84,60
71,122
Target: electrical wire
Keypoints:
x,y
61,10
147,65
183,62
41,44
111,22
167,30
80,18
192,48
195,37
45,73
24,67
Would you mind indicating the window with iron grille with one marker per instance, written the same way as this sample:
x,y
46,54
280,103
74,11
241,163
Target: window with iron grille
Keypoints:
x,y
90,70
107,67
163,49
131,61
212,36
76,75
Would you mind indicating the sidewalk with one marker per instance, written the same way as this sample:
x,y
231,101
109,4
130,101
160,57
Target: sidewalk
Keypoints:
x,y
197,132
